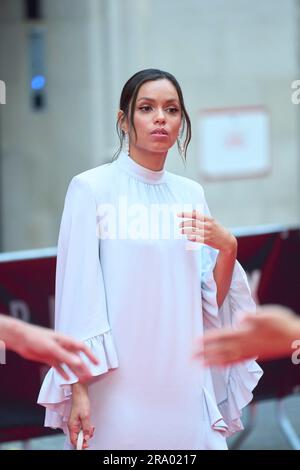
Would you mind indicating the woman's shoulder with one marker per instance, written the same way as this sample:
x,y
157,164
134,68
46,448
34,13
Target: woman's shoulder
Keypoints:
x,y
94,178
187,183
94,174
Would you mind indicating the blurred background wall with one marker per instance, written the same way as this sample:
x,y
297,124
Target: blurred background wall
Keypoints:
x,y
224,53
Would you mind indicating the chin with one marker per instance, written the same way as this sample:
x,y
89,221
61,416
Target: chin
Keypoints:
x,y
160,149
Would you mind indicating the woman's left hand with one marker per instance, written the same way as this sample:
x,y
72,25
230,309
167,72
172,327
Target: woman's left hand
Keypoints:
x,y
204,229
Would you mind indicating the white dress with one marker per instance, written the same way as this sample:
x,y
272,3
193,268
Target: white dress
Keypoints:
x,y
139,295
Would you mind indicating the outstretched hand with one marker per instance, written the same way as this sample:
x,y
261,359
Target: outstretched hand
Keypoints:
x,y
53,348
269,334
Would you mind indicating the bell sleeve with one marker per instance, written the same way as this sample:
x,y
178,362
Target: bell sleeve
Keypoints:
x,y
232,385
80,302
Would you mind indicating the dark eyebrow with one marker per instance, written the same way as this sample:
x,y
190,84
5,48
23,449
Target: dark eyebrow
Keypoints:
x,y
171,100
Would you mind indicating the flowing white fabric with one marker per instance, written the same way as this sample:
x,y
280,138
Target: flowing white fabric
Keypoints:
x,y
139,301
232,385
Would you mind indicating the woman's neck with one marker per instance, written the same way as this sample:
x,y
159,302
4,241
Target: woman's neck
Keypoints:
x,y
152,160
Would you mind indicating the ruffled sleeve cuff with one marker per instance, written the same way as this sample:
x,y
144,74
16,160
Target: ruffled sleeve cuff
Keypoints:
x,y
232,386
56,392
236,385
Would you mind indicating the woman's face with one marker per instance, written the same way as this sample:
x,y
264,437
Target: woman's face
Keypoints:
x,y
157,117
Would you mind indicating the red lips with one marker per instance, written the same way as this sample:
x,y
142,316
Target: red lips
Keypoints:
x,y
159,131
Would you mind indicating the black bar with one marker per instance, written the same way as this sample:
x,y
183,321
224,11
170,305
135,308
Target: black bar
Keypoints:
x,y
32,9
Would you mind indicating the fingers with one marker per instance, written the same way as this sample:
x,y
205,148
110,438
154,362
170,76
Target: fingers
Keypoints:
x,y
61,371
217,348
196,228
195,238
74,362
74,428
68,353
193,215
88,431
89,354
218,337
87,437
194,234
216,356
248,321
192,223
76,346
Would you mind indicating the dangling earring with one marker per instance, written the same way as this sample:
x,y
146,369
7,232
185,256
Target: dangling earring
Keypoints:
x,y
126,142
180,142
180,147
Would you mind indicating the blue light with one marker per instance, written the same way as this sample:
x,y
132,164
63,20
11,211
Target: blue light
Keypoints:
x,y
38,82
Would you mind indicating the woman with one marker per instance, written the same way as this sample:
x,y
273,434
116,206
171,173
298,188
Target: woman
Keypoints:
x,y
142,294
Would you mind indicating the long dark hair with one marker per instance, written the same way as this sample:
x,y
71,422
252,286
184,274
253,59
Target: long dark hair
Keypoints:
x,y
128,100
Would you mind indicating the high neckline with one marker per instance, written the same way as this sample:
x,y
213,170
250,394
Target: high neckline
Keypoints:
x,y
140,172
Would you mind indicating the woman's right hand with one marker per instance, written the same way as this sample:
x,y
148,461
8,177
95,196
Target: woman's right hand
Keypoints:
x,y
80,415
